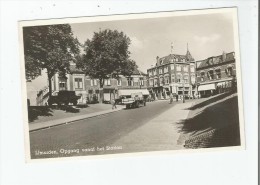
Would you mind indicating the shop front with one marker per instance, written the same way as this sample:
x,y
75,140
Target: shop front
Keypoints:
x,y
207,90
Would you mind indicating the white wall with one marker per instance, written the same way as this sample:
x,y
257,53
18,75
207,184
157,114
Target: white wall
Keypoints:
x,y
36,85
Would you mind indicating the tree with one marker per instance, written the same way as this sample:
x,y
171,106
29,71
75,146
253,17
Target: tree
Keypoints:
x,y
50,47
106,56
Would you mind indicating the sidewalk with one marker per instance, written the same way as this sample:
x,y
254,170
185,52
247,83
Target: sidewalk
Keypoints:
x,y
161,133
60,121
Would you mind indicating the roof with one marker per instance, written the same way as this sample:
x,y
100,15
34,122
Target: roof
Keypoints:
x,y
170,58
215,60
138,72
74,69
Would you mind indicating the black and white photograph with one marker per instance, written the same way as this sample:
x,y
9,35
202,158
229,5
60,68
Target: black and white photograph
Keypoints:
x,y
132,84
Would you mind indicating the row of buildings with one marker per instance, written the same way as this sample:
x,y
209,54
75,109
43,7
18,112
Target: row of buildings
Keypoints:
x,y
88,89
174,73
183,76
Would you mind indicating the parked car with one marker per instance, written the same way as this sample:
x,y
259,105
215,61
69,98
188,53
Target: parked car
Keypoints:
x,y
134,101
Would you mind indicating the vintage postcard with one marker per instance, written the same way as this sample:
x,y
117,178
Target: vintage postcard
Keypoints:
x,y
135,83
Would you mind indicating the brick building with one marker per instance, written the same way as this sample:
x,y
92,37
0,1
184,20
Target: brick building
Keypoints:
x,y
173,73
88,89
216,74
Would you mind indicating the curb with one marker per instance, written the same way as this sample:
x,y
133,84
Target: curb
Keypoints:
x,y
68,122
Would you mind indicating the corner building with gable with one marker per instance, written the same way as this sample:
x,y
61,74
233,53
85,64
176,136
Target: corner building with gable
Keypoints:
x,y
173,73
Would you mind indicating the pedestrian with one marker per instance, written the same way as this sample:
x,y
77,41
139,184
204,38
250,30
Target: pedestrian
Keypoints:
x,y
177,97
113,101
171,98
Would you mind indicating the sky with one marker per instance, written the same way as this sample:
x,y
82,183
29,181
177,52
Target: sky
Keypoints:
x,y
207,35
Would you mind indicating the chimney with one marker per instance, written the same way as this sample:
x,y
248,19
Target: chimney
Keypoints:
x,y
224,56
157,61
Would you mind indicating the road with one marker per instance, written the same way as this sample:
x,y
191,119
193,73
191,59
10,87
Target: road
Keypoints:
x,y
95,135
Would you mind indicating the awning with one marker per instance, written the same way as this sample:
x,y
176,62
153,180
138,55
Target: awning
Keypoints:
x,y
220,84
128,92
207,87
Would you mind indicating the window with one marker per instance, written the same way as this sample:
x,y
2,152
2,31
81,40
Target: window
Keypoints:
x,y
151,82
192,69
211,74
119,82
166,79
155,82
193,79
178,68
154,72
91,82
218,73
172,66
161,81
78,83
130,82
95,82
141,81
150,73
178,78
229,71
166,69
160,70
202,76
62,84
185,68
186,79
107,82
173,78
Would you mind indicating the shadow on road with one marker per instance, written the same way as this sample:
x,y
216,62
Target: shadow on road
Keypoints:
x,y
35,111
220,116
209,101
